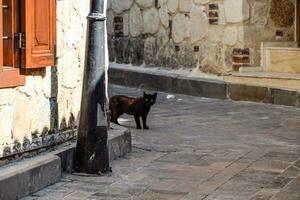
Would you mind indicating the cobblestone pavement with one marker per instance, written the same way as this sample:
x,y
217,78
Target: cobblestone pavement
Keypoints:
x,y
200,149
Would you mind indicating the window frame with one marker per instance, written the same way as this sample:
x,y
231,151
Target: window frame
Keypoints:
x,y
9,76
31,43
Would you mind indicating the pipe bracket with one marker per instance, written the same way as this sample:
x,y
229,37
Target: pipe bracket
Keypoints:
x,y
96,17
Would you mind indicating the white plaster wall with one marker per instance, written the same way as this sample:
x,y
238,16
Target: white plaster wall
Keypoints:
x,y
26,111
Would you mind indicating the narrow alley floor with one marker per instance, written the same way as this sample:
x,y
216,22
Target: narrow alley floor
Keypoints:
x,y
199,149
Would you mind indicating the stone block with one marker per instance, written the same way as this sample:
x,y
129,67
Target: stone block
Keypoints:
x,y
230,35
111,48
285,97
282,60
185,5
137,51
164,15
166,56
162,37
145,3
119,6
236,11
119,142
24,178
67,158
248,93
151,20
199,23
259,13
186,58
135,21
122,49
150,51
181,27
168,83
201,88
172,5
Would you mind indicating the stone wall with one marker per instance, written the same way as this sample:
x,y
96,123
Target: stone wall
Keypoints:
x,y
50,101
213,35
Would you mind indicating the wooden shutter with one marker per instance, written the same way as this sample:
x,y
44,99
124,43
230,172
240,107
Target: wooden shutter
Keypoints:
x,y
40,33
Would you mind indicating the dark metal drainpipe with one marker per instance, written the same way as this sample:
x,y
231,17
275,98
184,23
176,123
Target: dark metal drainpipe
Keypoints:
x,y
91,151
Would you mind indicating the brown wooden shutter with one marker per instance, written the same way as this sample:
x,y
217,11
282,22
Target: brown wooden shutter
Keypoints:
x,y
40,33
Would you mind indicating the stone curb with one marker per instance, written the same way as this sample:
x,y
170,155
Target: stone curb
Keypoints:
x,y
201,87
25,177
168,83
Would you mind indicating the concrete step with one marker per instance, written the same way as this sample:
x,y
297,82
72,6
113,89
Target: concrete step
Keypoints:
x,y
27,176
284,81
230,88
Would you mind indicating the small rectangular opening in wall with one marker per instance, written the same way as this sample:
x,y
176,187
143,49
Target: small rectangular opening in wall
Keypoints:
x,y
156,4
213,6
118,26
240,58
196,48
177,48
279,35
171,28
213,13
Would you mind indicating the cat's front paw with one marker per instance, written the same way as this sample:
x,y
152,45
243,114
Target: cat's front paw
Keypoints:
x,y
139,127
146,127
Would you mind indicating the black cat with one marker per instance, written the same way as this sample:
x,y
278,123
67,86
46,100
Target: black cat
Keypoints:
x,y
139,107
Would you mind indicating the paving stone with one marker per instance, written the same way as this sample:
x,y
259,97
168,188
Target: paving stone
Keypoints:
x,y
256,177
291,172
264,194
225,197
164,184
290,192
279,182
162,195
77,196
200,148
238,189
194,196
297,163
270,165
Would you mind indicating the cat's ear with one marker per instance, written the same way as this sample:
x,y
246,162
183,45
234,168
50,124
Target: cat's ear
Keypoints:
x,y
144,94
155,94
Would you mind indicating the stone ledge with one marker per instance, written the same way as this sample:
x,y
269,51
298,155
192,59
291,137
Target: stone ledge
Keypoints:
x,y
119,142
27,176
22,178
164,81
168,82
